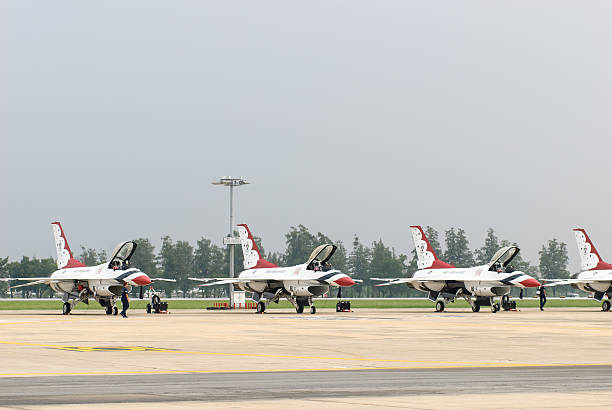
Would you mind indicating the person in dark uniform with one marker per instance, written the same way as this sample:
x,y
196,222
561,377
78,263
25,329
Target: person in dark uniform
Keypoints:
x,y
125,299
542,293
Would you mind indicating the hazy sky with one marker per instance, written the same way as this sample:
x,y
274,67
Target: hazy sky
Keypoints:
x,y
350,117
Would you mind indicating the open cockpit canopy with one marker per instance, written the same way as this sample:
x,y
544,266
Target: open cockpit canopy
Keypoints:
x,y
122,254
502,257
320,256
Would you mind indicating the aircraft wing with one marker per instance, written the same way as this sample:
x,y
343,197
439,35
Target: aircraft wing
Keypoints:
x,y
560,282
224,281
40,281
396,281
443,278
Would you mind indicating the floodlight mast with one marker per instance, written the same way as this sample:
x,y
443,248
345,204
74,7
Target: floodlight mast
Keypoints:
x,y
231,182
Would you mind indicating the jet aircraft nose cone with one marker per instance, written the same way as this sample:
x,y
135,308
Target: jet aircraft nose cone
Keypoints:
x,y
141,280
531,283
345,281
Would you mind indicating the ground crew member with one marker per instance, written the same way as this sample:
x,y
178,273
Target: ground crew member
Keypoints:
x,y
542,294
125,299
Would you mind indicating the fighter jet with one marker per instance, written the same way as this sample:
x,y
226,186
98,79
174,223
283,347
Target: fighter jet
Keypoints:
x,y
79,283
478,285
269,283
596,275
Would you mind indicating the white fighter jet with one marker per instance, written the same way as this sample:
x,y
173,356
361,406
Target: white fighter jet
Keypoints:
x,y
596,275
79,283
269,283
478,285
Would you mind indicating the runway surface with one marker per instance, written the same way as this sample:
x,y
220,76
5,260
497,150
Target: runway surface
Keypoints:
x,y
403,358
215,387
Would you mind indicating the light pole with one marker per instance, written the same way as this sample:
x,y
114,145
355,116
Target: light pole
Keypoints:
x,y
230,241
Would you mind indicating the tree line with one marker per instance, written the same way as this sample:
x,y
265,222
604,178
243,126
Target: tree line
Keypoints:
x,y
180,260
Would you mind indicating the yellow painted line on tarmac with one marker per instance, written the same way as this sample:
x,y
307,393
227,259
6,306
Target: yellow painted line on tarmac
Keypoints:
x,y
319,369
442,363
527,325
27,322
269,356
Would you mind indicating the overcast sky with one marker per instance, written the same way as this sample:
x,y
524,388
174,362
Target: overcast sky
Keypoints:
x,y
350,117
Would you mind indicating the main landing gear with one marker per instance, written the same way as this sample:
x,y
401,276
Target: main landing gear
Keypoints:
x,y
111,310
478,302
261,307
605,305
439,306
302,302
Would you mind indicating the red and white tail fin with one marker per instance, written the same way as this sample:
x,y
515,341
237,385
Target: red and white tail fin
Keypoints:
x,y
426,256
250,251
589,257
64,254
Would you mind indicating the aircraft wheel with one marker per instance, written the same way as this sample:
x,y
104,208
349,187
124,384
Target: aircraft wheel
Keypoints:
x,y
109,310
439,306
313,310
66,308
605,305
505,302
495,307
299,308
115,311
476,307
261,307
148,308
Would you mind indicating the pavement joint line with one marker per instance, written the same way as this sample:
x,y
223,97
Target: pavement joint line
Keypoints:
x,y
289,370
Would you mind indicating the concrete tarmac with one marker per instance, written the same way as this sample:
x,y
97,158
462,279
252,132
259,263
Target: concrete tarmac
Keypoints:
x,y
410,358
301,385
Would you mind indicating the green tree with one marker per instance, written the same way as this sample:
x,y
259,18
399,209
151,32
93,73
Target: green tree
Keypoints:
x,y
359,266
144,257
30,268
457,249
491,245
92,257
300,244
177,262
3,274
384,263
553,260
209,260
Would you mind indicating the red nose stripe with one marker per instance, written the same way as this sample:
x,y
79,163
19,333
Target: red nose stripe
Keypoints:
x,y
345,281
530,283
141,280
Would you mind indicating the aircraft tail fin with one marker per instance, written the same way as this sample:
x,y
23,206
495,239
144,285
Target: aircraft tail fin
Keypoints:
x,y
64,254
250,251
426,256
589,257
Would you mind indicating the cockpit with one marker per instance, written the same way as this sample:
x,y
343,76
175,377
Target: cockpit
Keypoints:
x,y
500,262
319,258
121,256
